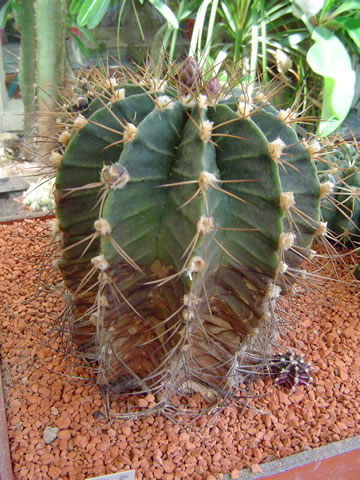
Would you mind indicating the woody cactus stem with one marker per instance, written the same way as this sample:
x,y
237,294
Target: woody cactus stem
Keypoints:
x,y
184,209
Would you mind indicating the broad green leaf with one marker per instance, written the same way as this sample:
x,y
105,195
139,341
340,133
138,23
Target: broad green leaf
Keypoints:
x,y
293,39
86,34
211,27
346,6
98,15
352,27
274,7
199,24
92,12
188,8
230,20
327,6
329,58
166,12
75,6
15,10
80,44
277,41
4,13
279,14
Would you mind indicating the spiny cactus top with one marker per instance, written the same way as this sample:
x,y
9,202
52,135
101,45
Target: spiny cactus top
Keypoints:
x,y
185,208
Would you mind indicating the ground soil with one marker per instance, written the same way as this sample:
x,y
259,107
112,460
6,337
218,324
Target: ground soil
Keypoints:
x,y
43,390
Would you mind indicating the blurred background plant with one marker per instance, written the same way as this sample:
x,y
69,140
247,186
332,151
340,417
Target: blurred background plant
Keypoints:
x,y
335,32
310,47
42,61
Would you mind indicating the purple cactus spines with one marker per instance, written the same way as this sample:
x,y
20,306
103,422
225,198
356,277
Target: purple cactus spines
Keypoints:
x,y
290,370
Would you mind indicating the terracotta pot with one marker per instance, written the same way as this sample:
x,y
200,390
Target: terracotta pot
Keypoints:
x,y
5,461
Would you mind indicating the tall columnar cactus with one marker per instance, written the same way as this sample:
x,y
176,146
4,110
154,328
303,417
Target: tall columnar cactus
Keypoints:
x,y
42,64
27,63
51,54
184,209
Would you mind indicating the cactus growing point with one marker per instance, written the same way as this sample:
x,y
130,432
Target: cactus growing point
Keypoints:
x,y
184,209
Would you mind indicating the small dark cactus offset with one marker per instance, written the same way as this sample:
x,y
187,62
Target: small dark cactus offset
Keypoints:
x,y
290,370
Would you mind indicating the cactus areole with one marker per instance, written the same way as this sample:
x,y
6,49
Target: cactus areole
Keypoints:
x,y
184,209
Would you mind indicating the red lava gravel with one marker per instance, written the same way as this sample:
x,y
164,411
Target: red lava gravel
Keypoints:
x,y
42,390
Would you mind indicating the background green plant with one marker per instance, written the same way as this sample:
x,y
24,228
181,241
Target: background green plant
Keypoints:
x,y
257,31
255,36
336,36
42,25
312,56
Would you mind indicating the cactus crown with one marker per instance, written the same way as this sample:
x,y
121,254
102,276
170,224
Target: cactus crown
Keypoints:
x,y
185,208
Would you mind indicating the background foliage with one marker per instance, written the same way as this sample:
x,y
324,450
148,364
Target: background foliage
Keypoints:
x,y
310,46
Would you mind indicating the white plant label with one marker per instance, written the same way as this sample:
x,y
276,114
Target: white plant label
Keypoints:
x,y
129,475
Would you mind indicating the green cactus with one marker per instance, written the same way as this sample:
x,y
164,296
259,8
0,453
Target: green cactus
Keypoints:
x,y
184,208
341,207
27,63
41,65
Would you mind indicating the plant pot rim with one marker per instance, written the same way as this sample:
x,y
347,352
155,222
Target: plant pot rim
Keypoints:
x,y
346,450
5,459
